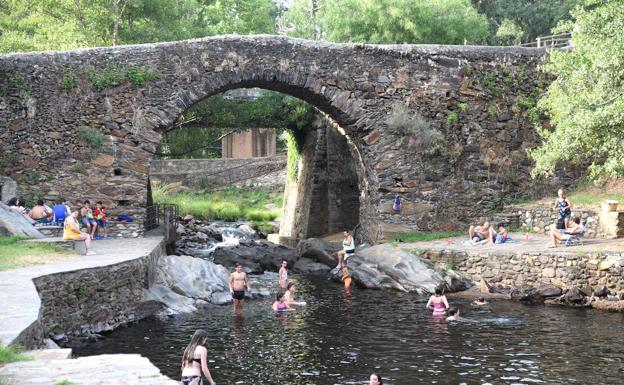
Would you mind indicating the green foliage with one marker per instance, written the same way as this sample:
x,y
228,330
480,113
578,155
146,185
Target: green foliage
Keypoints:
x,y
228,204
451,118
29,25
114,75
68,81
215,116
11,353
80,168
294,152
64,382
418,236
492,109
426,138
92,136
263,227
462,106
388,21
138,75
510,20
449,265
586,101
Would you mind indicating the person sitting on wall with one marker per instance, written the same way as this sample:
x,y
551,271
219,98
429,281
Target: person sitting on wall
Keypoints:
x,y
481,234
41,213
560,235
72,232
88,219
17,205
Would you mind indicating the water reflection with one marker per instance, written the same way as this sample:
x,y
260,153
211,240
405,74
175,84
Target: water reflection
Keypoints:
x,y
338,339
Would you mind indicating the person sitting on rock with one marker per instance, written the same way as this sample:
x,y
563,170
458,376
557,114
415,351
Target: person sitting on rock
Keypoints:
x,y
348,248
71,232
280,303
17,205
289,296
559,235
453,314
41,213
481,234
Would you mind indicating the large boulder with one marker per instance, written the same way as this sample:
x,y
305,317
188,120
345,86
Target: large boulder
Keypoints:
x,y
387,267
256,256
547,291
526,294
319,251
182,284
573,296
14,223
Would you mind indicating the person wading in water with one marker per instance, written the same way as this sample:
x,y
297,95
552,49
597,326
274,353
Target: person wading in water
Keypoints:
x,y
283,276
195,361
238,284
438,303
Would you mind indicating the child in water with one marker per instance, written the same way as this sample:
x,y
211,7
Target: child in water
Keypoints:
x,y
453,314
480,302
280,304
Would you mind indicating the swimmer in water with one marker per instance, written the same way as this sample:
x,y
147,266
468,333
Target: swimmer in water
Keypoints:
x,y
438,303
480,302
283,276
289,296
453,314
280,304
375,379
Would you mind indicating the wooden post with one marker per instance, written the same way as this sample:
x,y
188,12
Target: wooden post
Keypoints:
x,y
539,42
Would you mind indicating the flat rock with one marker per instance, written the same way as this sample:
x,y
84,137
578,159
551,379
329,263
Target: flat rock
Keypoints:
x,y
319,251
256,256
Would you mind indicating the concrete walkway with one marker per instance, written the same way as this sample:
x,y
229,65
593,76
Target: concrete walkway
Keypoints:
x,y
19,300
106,369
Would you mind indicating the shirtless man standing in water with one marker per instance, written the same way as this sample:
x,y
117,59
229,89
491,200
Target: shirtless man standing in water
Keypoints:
x,y
238,284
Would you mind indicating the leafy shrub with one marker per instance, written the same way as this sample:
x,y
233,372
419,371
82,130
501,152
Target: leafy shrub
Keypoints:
x,y
225,211
261,215
68,81
426,138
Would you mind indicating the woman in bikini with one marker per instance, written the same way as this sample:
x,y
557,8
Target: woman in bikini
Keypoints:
x,y
438,303
195,361
280,303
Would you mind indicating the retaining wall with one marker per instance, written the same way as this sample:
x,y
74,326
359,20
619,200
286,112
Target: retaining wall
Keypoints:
x,y
77,304
562,269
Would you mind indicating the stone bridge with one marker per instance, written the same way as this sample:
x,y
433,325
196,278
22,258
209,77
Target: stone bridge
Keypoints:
x,y
445,127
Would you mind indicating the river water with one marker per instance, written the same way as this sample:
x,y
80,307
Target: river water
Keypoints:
x,y
340,339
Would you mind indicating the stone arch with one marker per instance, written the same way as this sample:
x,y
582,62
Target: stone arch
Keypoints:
x,y
336,113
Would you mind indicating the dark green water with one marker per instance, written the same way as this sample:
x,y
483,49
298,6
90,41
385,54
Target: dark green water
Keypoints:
x,y
341,340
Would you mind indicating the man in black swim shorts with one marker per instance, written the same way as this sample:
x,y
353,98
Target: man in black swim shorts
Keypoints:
x,y
238,284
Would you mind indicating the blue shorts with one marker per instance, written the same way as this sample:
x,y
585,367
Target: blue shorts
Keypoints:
x,y
89,221
102,223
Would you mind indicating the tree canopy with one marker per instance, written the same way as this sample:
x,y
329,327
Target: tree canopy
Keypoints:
x,y
388,21
586,101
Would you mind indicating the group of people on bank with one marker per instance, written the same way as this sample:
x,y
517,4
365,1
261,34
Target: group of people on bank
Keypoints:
x,y
94,220
565,228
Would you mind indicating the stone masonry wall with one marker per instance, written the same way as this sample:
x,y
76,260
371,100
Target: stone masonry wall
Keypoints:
x,y
78,304
543,219
562,269
450,122
202,173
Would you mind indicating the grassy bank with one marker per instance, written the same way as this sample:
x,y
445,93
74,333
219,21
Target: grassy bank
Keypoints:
x,y
10,354
230,204
16,253
416,236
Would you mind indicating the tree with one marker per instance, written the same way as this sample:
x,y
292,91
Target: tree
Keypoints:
x,y
586,101
532,17
386,21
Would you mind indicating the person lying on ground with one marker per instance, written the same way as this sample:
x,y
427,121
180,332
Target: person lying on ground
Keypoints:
x,y
559,235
